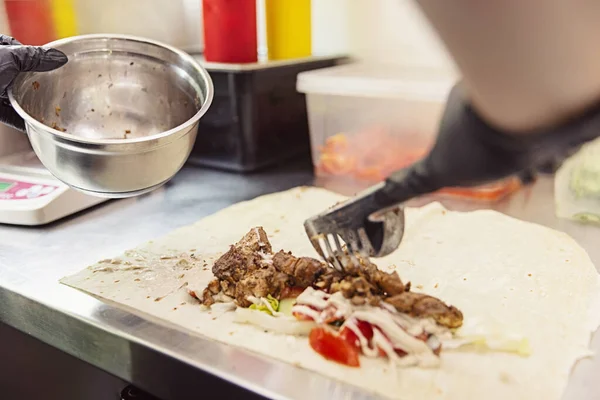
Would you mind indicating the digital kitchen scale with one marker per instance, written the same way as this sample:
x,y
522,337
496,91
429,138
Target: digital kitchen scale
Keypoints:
x,y
30,195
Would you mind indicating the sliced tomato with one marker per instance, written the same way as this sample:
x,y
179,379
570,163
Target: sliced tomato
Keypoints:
x,y
400,352
367,331
301,316
291,292
333,347
365,328
492,192
350,337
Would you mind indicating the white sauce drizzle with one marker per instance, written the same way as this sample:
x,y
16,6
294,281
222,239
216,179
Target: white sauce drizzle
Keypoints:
x,y
321,300
400,338
314,314
260,243
380,342
398,330
364,343
415,326
266,258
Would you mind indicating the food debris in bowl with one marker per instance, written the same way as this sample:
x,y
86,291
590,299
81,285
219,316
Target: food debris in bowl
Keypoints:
x,y
57,127
371,155
36,85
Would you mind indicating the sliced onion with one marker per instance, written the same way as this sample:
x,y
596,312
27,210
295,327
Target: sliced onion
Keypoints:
x,y
283,324
223,307
434,344
503,344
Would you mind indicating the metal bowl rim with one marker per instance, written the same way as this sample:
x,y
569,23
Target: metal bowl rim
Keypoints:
x,y
208,98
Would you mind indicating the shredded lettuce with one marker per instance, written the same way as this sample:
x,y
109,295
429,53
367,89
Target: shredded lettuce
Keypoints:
x,y
273,302
587,217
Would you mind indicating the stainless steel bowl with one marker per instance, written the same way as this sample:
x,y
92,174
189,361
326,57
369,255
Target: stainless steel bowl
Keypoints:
x,y
118,120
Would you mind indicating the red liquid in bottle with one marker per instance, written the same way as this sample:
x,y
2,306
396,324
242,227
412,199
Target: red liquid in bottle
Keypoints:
x,y
30,21
230,31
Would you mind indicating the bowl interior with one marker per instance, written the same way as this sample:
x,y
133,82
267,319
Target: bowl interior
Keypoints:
x,y
114,89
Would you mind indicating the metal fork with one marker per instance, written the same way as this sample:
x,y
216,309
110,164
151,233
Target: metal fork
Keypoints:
x,y
370,224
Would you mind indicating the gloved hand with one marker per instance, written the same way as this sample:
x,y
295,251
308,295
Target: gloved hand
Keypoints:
x,y
469,152
15,58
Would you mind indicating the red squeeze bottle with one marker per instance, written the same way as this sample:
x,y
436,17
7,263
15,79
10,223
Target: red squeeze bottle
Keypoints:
x,y
30,21
230,31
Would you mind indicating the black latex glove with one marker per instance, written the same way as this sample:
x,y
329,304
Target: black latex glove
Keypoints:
x,y
15,58
469,152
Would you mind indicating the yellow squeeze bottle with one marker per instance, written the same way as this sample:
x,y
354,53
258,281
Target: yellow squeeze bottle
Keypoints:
x,y
63,16
288,28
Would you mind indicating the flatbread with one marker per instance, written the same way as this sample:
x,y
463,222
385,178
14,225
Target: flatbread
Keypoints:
x,y
508,277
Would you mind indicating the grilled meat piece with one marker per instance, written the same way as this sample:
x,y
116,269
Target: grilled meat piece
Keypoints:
x,y
424,306
363,283
227,288
233,265
255,240
352,286
207,298
291,292
304,270
389,283
329,277
214,287
260,283
243,257
211,289
249,268
358,289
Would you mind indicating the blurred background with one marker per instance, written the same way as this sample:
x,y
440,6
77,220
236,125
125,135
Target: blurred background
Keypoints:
x,y
355,87
391,31
266,59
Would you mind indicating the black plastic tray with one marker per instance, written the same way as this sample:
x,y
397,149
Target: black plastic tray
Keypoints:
x,y
257,118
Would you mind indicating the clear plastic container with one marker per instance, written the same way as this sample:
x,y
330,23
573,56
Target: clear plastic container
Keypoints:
x,y
367,121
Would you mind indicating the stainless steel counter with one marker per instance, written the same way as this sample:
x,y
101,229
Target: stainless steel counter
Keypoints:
x,y
157,358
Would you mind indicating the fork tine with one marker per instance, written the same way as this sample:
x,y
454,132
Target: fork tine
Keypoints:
x,y
342,251
317,246
351,241
355,261
334,257
352,246
338,244
339,250
366,247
